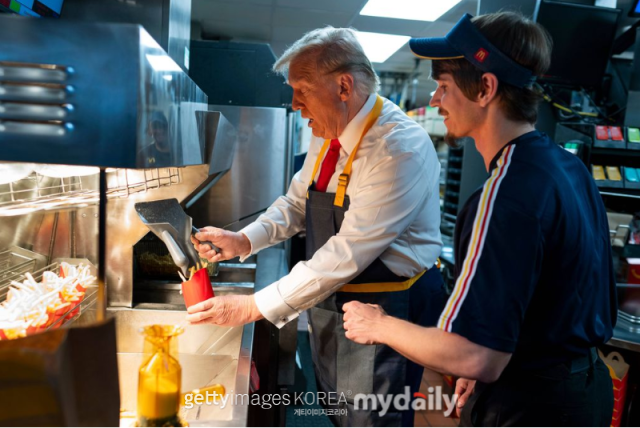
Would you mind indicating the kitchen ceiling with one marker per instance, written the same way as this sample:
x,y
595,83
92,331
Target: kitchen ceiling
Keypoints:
x,y
282,22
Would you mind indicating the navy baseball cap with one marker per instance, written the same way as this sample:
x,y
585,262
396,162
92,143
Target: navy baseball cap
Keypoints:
x,y
466,41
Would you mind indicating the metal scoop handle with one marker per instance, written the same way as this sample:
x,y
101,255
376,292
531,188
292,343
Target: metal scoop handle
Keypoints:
x,y
179,258
195,230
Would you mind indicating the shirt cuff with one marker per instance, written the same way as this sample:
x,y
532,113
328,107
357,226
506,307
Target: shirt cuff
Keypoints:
x,y
273,307
258,238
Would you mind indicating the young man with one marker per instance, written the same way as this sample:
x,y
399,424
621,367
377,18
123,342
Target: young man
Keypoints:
x,y
535,292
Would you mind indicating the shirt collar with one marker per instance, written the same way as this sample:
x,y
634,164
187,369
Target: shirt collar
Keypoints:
x,y
521,139
351,134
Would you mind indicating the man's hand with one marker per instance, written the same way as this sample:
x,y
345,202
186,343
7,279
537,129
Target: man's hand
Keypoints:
x,y
363,322
225,311
231,244
464,389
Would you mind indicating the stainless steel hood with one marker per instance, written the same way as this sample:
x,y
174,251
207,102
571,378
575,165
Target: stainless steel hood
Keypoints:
x,y
95,94
168,21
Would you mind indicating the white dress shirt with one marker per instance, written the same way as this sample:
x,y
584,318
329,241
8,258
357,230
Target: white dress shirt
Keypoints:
x,y
394,213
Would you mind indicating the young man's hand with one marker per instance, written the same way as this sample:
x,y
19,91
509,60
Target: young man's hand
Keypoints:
x,y
464,389
363,323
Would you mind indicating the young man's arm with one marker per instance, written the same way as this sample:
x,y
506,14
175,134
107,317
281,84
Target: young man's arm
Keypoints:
x,y
436,349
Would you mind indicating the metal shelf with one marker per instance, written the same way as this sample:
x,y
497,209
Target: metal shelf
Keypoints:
x,y
634,194
14,263
41,193
73,312
599,151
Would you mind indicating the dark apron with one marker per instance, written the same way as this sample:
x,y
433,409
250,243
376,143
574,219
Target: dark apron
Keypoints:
x,y
345,367
574,393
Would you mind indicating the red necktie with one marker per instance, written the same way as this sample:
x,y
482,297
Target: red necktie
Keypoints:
x,y
328,166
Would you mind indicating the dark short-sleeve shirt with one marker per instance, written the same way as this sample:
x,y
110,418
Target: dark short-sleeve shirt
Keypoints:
x,y
533,258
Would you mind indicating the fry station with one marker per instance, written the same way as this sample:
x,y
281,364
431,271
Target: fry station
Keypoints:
x,y
107,148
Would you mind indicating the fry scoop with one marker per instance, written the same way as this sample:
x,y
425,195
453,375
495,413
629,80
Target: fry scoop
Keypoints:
x,y
168,221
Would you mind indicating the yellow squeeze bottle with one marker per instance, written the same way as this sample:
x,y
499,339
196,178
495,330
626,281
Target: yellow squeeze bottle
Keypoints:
x,y
159,378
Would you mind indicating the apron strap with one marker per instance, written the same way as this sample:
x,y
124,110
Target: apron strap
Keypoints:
x,y
343,180
380,287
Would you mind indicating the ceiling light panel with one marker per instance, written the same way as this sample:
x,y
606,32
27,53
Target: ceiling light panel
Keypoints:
x,y
379,47
415,10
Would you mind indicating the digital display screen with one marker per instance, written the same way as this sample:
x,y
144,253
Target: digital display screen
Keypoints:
x,y
583,63
47,8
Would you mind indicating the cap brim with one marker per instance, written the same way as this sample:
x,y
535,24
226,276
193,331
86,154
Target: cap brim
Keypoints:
x,y
434,48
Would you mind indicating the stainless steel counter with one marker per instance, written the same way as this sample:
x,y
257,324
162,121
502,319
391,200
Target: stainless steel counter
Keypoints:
x,y
626,335
208,355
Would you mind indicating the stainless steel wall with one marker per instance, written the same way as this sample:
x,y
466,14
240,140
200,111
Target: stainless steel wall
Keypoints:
x,y
53,234
74,231
258,175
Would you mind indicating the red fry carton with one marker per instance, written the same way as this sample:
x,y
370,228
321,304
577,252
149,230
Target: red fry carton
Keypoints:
x,y
198,288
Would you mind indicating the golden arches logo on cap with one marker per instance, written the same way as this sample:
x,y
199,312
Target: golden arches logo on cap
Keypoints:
x,y
481,55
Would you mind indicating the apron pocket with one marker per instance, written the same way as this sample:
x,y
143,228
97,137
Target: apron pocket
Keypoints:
x,y
345,366
323,344
355,366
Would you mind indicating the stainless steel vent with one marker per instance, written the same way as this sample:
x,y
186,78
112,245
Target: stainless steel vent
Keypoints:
x,y
95,94
35,99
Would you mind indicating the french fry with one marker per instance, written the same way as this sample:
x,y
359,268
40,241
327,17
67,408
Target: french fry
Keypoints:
x,y
32,306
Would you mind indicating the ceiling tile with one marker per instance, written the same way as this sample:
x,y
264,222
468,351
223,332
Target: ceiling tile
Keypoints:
x,y
234,31
388,25
436,29
199,3
350,6
289,34
309,18
456,12
243,14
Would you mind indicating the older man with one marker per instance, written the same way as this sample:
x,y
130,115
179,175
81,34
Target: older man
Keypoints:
x,y
535,292
367,197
